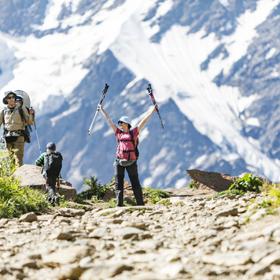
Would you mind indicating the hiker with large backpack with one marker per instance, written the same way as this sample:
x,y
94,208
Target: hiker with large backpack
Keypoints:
x,y
127,154
51,163
15,118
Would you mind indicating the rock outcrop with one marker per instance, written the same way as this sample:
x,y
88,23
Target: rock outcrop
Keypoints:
x,y
213,180
30,176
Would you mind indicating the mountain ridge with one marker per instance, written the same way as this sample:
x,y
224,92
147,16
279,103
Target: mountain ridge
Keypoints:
x,y
214,81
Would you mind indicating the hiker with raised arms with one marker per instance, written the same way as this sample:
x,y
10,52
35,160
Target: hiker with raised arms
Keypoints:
x,y
127,154
15,118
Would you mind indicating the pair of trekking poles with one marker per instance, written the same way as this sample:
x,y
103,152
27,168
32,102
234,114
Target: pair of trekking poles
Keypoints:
x,y
104,92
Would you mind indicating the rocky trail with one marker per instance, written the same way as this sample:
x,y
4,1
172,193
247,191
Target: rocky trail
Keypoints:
x,y
197,237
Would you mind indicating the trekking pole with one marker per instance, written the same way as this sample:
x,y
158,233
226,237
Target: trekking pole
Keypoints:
x,y
37,137
104,91
36,132
150,92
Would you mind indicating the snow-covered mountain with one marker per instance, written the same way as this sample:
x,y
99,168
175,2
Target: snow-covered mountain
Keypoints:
x,y
214,66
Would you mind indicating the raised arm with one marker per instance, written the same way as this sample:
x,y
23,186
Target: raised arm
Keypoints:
x,y
107,117
143,122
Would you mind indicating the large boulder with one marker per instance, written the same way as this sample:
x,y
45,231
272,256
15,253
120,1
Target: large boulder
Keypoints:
x,y
213,180
31,176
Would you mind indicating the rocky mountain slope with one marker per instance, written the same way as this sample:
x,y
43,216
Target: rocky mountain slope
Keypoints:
x,y
197,237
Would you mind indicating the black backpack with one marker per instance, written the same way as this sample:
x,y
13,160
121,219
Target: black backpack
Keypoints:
x,y
53,164
135,144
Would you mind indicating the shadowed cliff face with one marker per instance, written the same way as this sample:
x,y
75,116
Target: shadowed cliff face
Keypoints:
x,y
184,144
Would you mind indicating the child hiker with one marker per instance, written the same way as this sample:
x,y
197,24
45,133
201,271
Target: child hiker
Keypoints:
x,y
51,163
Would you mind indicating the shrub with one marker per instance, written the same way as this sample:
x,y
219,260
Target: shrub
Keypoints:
x,y
15,200
247,183
95,192
7,164
153,196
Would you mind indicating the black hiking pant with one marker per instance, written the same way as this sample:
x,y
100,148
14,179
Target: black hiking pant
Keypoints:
x,y
134,180
51,189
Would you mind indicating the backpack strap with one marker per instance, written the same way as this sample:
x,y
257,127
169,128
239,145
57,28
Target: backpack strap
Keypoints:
x,y
132,138
20,110
133,142
5,111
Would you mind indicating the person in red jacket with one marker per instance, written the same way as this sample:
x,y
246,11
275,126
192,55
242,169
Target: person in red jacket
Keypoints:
x,y
127,154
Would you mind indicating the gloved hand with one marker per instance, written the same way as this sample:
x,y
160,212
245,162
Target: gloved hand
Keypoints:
x,y
99,107
31,111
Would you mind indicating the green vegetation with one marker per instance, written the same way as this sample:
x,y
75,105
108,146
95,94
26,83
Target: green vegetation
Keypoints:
x,y
272,198
7,165
193,185
15,200
247,183
96,194
153,196
165,202
111,203
96,191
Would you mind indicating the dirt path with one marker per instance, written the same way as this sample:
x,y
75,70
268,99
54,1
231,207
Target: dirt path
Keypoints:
x,y
197,237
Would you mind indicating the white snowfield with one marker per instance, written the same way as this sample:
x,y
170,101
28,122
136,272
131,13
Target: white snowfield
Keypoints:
x,y
54,66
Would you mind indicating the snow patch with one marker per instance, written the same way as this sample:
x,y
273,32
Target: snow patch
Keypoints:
x,y
52,12
164,8
245,101
270,53
253,122
237,44
224,3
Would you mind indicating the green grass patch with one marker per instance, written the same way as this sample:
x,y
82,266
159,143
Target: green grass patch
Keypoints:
x,y
165,202
153,196
14,200
112,203
272,198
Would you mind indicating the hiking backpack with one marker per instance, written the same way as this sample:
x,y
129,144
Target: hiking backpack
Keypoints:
x,y
26,102
53,164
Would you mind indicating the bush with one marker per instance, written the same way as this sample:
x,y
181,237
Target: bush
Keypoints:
x,y
15,201
246,183
95,192
7,164
153,196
